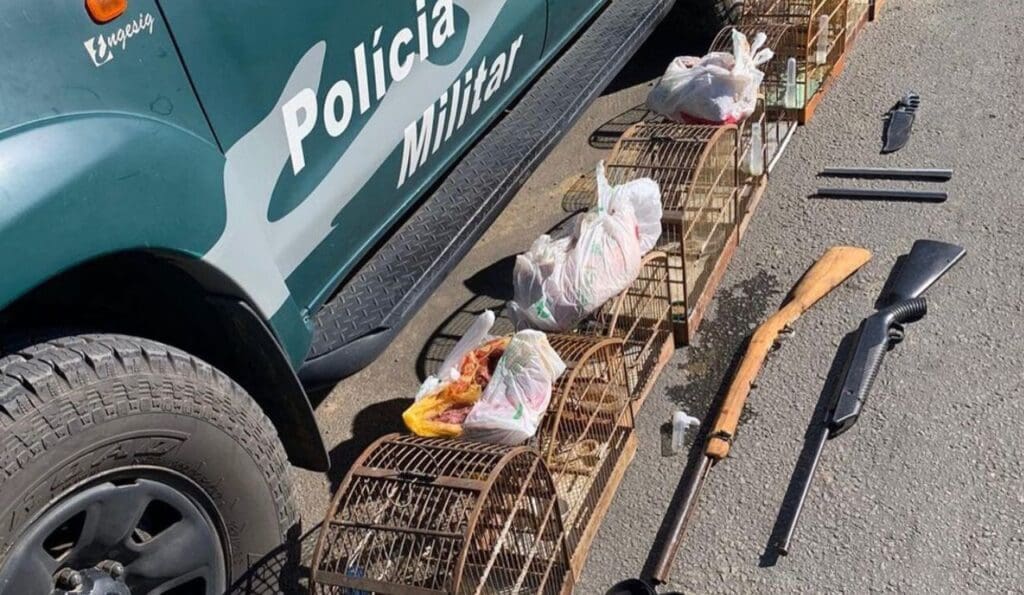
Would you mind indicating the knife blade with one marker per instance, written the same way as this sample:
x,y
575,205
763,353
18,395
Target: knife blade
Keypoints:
x,y
899,122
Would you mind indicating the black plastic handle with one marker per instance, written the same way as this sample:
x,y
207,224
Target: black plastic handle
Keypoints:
x,y
914,273
873,340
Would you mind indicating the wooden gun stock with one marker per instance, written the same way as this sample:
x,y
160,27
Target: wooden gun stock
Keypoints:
x,y
835,266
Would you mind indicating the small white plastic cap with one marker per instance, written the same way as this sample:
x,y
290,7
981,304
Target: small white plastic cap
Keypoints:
x,y
680,418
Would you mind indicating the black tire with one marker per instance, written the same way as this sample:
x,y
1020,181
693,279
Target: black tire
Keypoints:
x,y
108,410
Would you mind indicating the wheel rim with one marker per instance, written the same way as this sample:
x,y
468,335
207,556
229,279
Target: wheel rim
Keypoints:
x,y
163,539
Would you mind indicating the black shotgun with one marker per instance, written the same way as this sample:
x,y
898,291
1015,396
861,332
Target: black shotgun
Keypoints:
x,y
900,303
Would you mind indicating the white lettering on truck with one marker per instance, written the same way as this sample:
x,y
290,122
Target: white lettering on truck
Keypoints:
x,y
101,47
260,254
374,75
430,133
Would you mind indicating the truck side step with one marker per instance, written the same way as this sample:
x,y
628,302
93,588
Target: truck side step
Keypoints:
x,y
359,322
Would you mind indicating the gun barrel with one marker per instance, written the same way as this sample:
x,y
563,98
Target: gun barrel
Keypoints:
x,y
783,545
680,519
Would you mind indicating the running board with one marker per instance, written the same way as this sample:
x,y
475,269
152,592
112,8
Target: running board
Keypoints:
x,y
359,322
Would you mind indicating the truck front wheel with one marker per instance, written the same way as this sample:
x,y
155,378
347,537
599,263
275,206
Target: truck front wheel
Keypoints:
x,y
127,466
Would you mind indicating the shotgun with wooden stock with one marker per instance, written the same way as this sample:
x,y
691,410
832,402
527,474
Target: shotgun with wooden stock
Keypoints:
x,y
835,266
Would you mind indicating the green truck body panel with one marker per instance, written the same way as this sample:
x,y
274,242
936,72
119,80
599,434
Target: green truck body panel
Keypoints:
x,y
278,142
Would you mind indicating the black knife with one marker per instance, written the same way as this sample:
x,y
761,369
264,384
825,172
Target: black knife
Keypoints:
x,y
898,123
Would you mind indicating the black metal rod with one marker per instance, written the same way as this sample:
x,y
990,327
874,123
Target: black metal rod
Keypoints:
x,y
680,519
890,173
865,193
782,547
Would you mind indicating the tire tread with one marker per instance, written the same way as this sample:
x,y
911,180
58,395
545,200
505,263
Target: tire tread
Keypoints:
x,y
57,388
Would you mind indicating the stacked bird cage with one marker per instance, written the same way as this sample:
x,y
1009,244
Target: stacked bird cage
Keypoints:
x,y
696,168
770,127
586,438
436,516
641,316
857,13
812,49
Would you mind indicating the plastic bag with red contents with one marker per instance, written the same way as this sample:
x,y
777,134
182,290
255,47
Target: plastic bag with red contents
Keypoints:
x,y
488,389
444,399
514,402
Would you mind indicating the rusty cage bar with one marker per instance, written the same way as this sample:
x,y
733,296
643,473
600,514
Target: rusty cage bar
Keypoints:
x,y
777,124
586,438
696,168
857,13
805,19
435,516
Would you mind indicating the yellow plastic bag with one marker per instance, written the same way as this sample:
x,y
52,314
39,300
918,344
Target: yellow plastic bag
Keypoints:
x,y
422,418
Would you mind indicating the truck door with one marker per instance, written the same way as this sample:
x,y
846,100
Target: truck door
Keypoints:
x,y
565,17
336,115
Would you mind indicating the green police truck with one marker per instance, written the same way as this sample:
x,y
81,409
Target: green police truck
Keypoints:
x,y
209,208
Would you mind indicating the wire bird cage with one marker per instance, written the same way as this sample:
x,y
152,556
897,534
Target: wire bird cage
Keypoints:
x,y
641,316
811,49
857,13
423,515
586,438
696,168
612,359
770,127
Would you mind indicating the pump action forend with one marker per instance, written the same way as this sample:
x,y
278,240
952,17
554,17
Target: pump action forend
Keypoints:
x,y
901,303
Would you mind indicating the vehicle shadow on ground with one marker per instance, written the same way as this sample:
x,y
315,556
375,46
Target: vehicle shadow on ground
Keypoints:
x,y
687,31
379,419
282,570
609,133
492,288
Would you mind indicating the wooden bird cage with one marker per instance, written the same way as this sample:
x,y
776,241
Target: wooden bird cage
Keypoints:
x,y
775,123
815,64
696,168
586,438
432,516
857,15
641,316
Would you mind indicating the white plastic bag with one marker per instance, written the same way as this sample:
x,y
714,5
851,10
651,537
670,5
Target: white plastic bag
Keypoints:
x,y
477,334
558,282
643,196
720,87
511,407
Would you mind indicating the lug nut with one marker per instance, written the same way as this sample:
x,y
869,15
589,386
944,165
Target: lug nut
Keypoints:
x,y
113,568
68,579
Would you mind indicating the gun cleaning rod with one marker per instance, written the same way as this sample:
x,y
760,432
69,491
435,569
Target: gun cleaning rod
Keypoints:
x,y
865,193
891,173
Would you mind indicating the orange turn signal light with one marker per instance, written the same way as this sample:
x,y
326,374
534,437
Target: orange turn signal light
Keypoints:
x,y
104,11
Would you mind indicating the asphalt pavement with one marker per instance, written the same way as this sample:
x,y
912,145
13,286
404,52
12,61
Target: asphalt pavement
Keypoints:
x,y
926,493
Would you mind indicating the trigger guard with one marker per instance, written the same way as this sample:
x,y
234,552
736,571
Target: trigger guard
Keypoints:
x,y
896,336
